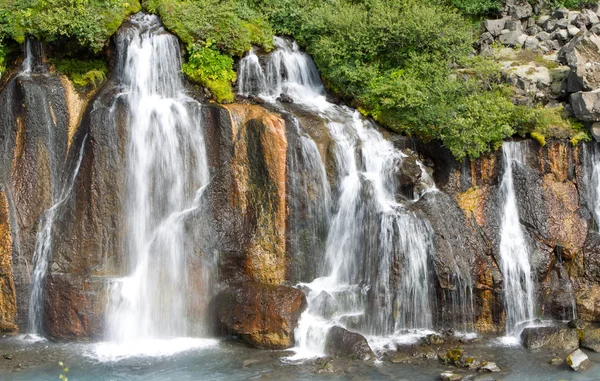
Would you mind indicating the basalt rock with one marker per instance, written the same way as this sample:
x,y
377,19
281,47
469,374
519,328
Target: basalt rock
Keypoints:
x,y
343,343
263,316
550,338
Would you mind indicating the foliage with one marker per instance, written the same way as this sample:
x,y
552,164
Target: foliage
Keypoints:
x,y
3,57
477,7
212,69
83,74
573,4
230,25
541,123
89,22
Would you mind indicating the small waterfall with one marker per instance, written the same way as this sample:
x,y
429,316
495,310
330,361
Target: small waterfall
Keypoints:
x,y
376,273
166,175
43,250
514,253
591,172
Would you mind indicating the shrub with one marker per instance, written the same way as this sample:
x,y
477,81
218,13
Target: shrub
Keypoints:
x,y
478,7
84,74
210,68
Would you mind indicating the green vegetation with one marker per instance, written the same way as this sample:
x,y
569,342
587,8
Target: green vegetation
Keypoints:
x,y
84,74
89,22
406,63
211,69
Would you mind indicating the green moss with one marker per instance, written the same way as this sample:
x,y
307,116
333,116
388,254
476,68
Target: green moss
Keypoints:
x,y
85,74
538,137
212,69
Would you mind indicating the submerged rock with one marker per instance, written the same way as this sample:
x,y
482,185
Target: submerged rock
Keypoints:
x,y
343,343
578,360
264,316
489,367
551,338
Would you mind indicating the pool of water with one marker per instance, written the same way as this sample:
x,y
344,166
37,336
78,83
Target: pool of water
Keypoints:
x,y
223,360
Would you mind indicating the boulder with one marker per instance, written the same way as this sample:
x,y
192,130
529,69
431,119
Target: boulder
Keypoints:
x,y
591,339
596,131
520,9
531,43
343,343
264,316
586,106
561,13
573,31
324,305
550,338
582,55
578,360
494,26
592,16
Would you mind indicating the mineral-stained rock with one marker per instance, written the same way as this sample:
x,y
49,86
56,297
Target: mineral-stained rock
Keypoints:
x,y
8,296
591,339
578,360
264,316
550,338
343,343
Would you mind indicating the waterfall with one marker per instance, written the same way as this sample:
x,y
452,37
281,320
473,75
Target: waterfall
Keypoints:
x,y
167,172
514,253
376,272
43,249
591,172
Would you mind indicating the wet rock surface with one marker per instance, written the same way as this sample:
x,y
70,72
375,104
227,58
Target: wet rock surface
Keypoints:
x,y
263,316
550,338
343,343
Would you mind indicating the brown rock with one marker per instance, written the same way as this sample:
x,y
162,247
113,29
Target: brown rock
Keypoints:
x,y
264,316
8,296
550,338
343,343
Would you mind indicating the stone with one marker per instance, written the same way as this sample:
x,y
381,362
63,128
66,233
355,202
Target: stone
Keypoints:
x,y
450,376
562,24
556,361
573,31
550,338
595,29
592,16
586,106
433,339
578,360
578,52
591,339
489,367
494,26
543,36
549,25
576,323
581,21
263,316
561,13
596,131
343,343
542,19
324,305
533,30
285,98
513,26
531,43
520,9
249,362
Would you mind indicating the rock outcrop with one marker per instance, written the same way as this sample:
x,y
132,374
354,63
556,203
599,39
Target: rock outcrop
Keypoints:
x,y
262,315
343,343
550,338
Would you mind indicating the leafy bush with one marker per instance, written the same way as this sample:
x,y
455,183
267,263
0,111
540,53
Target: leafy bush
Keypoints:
x,y
211,69
89,22
478,7
84,74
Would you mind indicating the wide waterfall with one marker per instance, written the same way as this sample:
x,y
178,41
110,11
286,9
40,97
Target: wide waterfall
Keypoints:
x,y
167,173
370,231
514,253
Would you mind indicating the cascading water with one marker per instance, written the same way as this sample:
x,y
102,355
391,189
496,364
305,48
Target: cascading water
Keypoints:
x,y
166,175
370,232
514,253
591,168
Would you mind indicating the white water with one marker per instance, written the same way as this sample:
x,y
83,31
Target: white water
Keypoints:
x,y
43,250
27,64
591,168
514,254
167,174
370,232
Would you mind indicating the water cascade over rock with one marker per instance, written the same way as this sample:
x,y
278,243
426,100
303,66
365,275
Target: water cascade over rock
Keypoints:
x,y
376,270
166,176
514,253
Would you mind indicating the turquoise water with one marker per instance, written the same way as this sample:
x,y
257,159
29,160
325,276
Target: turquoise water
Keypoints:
x,y
234,361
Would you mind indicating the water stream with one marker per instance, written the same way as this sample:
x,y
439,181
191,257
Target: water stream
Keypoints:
x,y
167,173
514,253
375,275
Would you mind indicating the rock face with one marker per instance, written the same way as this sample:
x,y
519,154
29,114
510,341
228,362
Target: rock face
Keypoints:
x,y
550,338
8,295
591,339
586,106
578,361
343,343
264,316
